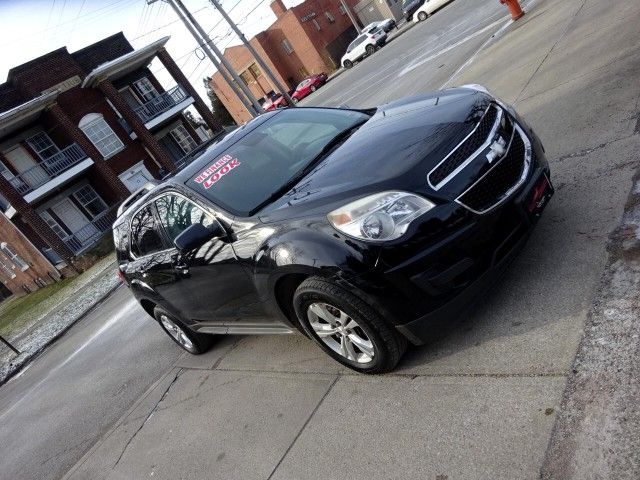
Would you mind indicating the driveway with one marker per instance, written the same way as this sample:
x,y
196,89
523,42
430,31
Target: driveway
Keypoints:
x,y
478,403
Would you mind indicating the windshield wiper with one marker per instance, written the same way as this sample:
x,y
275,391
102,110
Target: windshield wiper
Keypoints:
x,y
335,142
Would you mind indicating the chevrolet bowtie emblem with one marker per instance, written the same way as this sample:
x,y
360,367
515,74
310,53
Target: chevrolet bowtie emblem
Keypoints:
x,y
497,149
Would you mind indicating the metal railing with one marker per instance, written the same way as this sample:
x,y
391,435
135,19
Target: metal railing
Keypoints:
x,y
91,232
163,102
48,169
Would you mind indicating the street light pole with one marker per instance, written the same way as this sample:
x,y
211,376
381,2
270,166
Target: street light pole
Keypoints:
x,y
261,62
350,13
209,48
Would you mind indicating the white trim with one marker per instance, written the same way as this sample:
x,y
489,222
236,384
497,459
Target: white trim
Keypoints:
x,y
169,113
133,171
57,181
117,65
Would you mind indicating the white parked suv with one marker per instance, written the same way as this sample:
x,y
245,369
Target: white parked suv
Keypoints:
x,y
364,45
428,8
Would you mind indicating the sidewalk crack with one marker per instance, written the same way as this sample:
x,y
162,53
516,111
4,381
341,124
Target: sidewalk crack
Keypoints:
x,y
153,410
335,380
564,34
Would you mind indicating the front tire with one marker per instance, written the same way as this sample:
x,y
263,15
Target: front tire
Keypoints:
x,y
347,328
422,16
193,342
348,64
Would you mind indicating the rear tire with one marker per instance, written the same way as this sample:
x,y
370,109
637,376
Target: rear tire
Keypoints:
x,y
422,16
370,49
348,64
347,328
193,342
313,88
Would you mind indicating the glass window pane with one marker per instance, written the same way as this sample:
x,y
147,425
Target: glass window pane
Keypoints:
x,y
177,214
101,135
145,236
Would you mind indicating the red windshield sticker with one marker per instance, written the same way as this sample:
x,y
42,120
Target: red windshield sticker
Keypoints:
x,y
215,172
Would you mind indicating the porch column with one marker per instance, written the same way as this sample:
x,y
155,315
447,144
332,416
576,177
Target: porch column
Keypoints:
x,y
78,136
137,125
180,78
31,217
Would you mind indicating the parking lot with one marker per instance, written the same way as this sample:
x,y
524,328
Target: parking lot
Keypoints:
x,y
115,399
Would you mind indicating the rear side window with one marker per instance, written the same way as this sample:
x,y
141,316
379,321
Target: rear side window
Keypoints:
x,y
145,234
176,214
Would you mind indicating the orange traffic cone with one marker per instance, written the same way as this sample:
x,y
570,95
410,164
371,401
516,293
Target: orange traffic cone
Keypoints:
x,y
514,8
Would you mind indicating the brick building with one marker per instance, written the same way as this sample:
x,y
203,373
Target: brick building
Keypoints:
x,y
23,268
306,39
79,131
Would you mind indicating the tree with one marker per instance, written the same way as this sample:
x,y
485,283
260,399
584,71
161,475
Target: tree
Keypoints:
x,y
218,108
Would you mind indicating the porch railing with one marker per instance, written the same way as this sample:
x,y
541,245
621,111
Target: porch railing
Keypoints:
x,y
88,235
48,169
162,103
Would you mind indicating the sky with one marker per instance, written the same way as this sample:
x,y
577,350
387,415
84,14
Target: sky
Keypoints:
x,y
30,28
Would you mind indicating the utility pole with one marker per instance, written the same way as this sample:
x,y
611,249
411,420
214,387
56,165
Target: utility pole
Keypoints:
x,y
350,13
263,65
209,48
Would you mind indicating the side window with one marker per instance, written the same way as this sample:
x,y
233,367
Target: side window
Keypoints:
x,y
177,213
145,235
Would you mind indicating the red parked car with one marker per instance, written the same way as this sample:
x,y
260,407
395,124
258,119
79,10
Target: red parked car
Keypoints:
x,y
309,85
275,103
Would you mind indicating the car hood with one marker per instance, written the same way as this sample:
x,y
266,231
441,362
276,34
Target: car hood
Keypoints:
x,y
394,150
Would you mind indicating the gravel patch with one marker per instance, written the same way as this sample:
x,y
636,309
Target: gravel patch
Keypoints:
x,y
58,314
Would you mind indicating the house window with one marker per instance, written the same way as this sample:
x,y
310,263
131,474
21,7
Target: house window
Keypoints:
x,y
6,269
146,89
342,10
99,132
330,17
14,257
255,71
180,135
90,201
43,145
316,24
287,46
246,77
53,225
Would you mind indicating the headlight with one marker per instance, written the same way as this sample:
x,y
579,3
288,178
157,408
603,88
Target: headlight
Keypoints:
x,y
379,217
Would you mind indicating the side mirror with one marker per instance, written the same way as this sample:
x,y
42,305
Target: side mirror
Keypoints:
x,y
197,235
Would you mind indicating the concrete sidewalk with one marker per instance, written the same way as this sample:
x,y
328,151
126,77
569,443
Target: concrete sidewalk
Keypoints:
x,y
479,403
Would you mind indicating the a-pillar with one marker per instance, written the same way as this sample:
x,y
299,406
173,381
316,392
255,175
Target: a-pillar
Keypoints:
x,y
31,217
136,125
79,137
179,77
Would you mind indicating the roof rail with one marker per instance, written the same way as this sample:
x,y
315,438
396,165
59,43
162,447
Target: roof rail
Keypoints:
x,y
137,195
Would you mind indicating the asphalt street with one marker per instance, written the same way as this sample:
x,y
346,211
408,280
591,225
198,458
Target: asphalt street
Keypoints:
x,y
58,407
421,59
116,399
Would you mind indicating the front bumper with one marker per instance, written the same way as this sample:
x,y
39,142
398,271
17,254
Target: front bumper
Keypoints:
x,y
439,281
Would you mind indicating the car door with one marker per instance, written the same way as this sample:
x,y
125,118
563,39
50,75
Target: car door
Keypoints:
x,y
211,287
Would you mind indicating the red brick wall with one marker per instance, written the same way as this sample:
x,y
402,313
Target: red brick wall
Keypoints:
x,y
309,54
39,267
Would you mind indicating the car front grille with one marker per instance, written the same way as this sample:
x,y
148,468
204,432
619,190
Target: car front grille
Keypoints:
x,y
467,150
503,179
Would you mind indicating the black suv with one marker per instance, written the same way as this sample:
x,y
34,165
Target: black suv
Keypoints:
x,y
365,230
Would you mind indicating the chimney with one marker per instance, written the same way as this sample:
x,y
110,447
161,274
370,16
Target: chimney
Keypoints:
x,y
277,6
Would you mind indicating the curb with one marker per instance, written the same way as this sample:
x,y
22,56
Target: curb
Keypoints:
x,y
31,357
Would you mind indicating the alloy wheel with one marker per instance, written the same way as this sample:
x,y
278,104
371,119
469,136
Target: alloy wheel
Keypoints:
x,y
177,333
340,332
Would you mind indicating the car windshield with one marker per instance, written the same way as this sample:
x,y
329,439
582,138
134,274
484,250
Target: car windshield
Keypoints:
x,y
271,157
